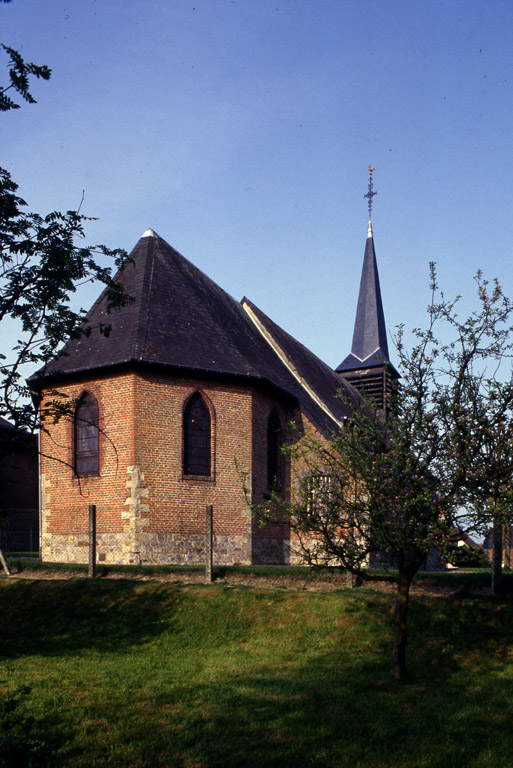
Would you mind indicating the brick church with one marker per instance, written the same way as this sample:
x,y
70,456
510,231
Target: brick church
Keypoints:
x,y
190,392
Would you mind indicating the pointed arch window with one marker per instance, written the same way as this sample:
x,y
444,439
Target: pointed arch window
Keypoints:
x,y
86,440
273,451
197,459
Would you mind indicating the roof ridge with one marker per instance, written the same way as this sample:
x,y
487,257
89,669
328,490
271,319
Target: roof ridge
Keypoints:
x,y
146,296
182,319
286,361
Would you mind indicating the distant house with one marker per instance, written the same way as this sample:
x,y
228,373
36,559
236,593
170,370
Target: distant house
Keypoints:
x,y
19,517
189,396
507,546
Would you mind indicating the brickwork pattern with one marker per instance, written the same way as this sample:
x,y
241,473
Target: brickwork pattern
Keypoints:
x,y
65,497
271,539
305,428
147,510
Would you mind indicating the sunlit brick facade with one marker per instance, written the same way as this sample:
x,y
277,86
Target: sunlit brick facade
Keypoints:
x,y
183,340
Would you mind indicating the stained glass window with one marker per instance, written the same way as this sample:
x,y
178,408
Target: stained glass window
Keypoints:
x,y
196,437
86,436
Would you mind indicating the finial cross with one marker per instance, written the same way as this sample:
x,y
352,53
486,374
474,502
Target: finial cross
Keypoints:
x,y
370,194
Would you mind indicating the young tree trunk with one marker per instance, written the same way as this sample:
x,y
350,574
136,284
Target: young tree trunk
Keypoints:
x,y
400,636
496,556
506,545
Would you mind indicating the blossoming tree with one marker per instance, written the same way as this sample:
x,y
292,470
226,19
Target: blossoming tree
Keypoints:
x,y
392,493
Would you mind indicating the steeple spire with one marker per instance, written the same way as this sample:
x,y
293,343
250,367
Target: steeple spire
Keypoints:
x,y
369,363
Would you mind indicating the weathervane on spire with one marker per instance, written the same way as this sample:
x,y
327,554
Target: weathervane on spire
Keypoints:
x,y
370,194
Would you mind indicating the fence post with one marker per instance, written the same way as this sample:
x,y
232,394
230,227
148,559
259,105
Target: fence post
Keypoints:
x,y
92,541
208,544
5,564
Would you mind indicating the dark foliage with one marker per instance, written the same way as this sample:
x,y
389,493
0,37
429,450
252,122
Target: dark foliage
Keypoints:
x,y
42,264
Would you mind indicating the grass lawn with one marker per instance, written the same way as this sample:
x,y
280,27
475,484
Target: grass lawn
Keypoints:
x,y
128,673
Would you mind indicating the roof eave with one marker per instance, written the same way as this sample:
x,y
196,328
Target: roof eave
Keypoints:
x,y
38,383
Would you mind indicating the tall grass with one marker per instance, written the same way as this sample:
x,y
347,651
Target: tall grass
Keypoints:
x,y
124,673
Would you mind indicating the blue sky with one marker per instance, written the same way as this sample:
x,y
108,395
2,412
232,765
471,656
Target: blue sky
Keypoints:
x,y
241,132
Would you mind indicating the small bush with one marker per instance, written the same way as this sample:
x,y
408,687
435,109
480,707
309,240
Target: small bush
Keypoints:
x,y
467,557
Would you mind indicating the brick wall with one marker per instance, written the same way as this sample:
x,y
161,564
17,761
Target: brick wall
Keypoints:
x,y
271,537
147,510
65,498
177,502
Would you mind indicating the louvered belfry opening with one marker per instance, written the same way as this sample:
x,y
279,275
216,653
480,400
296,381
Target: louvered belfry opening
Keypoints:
x,y
376,384
197,438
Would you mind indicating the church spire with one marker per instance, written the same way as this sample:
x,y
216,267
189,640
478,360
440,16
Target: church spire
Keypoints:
x,y
368,363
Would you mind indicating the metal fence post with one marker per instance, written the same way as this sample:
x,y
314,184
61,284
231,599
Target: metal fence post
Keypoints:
x,y
208,544
92,540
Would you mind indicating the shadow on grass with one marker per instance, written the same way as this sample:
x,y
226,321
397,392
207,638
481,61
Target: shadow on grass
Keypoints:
x,y
444,632
331,715
295,705
55,618
24,741
344,709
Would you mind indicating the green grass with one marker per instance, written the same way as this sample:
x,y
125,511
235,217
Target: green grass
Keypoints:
x,y
19,562
126,673
470,578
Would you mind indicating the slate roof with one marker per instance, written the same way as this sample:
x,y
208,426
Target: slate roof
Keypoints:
x,y
370,346
181,319
312,376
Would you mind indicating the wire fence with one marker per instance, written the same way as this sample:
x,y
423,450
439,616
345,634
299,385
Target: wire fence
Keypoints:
x,y
19,530
19,535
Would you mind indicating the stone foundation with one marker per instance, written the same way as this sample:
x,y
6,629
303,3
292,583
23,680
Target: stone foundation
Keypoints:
x,y
182,549
154,549
111,548
271,552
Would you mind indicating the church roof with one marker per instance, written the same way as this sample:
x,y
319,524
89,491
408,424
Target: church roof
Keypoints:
x,y
312,379
181,319
370,346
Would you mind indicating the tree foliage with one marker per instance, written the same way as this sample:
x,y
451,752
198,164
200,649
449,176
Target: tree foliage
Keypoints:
x,y
19,73
468,557
392,493
42,264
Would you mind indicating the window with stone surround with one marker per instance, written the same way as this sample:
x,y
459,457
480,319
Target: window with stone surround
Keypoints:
x,y
197,452
86,434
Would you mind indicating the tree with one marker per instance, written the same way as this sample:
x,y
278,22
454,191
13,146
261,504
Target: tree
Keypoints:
x,y
391,493
468,557
42,264
488,422
490,497
41,267
19,71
